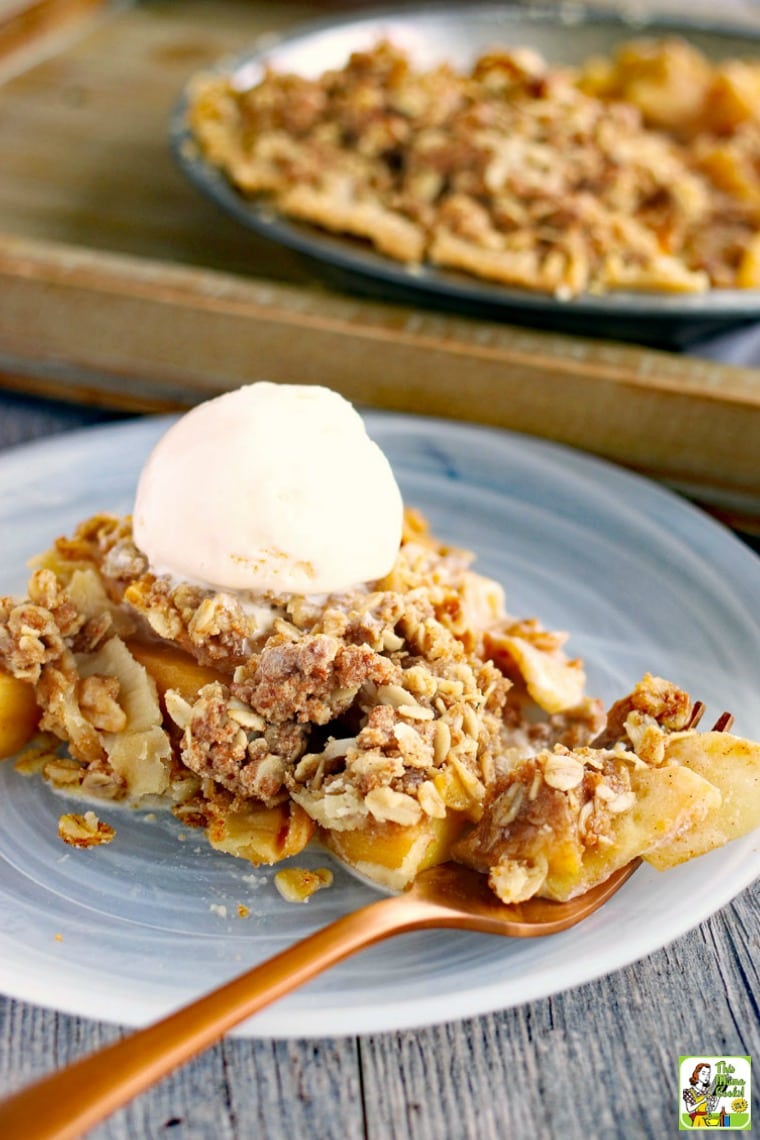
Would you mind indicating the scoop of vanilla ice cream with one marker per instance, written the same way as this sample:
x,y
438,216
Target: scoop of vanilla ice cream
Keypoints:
x,y
269,488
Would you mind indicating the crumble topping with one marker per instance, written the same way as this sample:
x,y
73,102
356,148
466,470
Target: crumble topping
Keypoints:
x,y
384,701
638,171
558,808
312,679
410,719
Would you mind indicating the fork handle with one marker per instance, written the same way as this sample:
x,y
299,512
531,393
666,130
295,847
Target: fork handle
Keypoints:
x,y
72,1100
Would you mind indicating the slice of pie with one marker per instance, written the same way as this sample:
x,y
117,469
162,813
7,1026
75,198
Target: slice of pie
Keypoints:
x,y
403,722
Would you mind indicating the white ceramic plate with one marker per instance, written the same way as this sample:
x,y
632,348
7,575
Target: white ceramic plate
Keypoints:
x,y
458,33
644,581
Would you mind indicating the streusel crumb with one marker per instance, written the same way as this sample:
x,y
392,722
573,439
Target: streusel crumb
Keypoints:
x,y
84,830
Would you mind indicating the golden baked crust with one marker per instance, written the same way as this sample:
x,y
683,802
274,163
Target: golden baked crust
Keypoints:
x,y
634,172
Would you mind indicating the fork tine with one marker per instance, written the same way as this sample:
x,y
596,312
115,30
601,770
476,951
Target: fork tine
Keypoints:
x,y
697,712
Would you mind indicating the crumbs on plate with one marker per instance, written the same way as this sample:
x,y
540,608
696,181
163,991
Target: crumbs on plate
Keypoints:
x,y
84,830
298,884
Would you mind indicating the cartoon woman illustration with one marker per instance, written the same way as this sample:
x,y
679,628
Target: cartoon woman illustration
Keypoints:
x,y
699,1098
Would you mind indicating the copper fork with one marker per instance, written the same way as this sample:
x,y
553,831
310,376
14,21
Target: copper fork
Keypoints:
x,y
72,1100
66,1104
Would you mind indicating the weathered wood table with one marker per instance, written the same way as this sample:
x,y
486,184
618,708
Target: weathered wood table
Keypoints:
x,y
98,235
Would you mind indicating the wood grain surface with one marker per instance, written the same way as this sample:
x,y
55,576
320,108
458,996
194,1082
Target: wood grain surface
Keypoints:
x,y
599,1061
24,24
192,334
